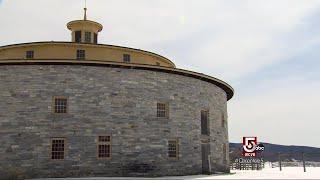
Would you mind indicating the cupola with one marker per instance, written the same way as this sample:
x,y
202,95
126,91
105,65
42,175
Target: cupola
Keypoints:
x,y
84,31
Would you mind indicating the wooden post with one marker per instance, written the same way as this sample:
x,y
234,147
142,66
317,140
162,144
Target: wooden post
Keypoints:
x,y
304,163
279,156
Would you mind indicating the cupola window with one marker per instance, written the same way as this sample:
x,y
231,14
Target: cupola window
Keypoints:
x,y
78,36
95,38
87,37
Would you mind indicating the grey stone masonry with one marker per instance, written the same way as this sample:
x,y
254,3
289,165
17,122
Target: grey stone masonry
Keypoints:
x,y
119,102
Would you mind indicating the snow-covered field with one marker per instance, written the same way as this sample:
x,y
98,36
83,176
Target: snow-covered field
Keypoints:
x,y
273,173
267,173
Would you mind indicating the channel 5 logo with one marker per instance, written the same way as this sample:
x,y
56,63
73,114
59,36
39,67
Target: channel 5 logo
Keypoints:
x,y
251,147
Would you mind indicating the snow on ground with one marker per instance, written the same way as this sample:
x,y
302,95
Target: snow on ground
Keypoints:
x,y
272,173
267,173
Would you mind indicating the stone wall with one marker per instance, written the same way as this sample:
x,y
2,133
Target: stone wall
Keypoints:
x,y
106,101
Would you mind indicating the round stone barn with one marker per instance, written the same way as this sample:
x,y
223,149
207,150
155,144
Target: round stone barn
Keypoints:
x,y
80,108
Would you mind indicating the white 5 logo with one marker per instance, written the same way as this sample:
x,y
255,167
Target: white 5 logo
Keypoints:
x,y
249,144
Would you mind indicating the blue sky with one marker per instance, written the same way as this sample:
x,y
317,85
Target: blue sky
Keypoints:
x,y
267,50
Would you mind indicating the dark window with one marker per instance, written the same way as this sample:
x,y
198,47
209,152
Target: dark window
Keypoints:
x,y
78,36
205,122
87,37
104,147
162,110
81,54
30,54
104,138
223,121
60,105
95,38
57,148
173,149
126,58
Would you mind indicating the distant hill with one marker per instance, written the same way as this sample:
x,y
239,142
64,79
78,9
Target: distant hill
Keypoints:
x,y
288,153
